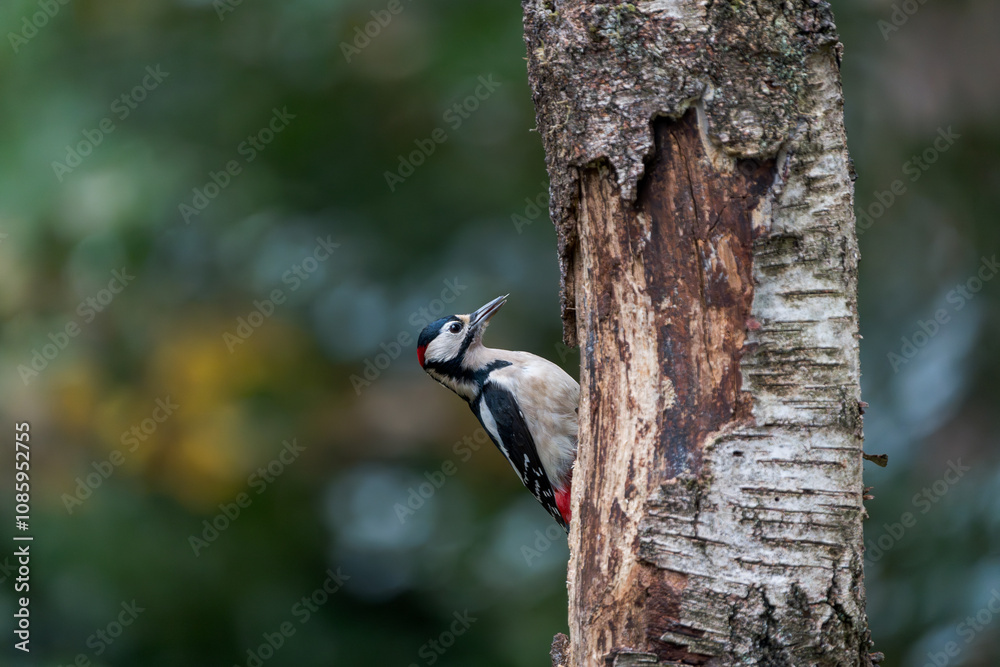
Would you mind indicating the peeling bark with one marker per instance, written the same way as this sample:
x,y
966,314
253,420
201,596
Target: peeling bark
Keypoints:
x,y
701,191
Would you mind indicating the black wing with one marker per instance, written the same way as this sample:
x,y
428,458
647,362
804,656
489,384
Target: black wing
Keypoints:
x,y
513,439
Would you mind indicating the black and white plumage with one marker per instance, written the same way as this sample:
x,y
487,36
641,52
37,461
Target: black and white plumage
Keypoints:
x,y
527,404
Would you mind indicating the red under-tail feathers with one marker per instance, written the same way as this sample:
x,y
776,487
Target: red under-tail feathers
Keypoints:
x,y
562,500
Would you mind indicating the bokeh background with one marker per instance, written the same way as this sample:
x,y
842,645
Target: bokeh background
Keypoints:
x,y
349,467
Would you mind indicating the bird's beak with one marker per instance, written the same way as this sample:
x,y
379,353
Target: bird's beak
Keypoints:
x,y
480,317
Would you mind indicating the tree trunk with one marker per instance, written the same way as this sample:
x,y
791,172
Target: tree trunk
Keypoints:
x,y
701,190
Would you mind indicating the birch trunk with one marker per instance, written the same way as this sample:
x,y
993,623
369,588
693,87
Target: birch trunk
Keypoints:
x,y
703,198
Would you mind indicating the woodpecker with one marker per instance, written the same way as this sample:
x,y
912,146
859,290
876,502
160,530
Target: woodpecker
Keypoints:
x,y
527,404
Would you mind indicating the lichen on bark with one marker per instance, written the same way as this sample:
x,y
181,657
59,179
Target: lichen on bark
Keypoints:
x,y
602,72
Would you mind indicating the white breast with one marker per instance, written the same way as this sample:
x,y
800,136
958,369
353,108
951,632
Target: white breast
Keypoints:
x,y
548,398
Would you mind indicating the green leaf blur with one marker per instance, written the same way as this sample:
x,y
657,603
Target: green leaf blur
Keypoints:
x,y
222,226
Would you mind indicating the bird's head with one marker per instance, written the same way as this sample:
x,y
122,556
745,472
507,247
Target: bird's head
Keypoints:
x,y
447,348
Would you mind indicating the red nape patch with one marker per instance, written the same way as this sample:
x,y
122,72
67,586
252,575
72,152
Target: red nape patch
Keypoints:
x,y
562,502
420,354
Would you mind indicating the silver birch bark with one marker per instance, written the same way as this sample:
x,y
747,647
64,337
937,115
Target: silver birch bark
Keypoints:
x,y
702,193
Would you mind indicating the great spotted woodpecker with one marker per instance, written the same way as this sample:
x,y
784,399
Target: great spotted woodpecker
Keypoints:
x,y
527,405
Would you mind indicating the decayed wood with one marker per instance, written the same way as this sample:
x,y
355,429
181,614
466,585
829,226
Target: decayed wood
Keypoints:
x,y
560,651
701,190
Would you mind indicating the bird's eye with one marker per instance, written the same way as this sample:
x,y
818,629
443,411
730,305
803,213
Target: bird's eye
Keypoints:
x,y
455,327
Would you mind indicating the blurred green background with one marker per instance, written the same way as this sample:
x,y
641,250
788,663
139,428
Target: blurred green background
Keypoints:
x,y
212,154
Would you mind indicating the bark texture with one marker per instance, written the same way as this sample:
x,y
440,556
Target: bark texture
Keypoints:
x,y
702,194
